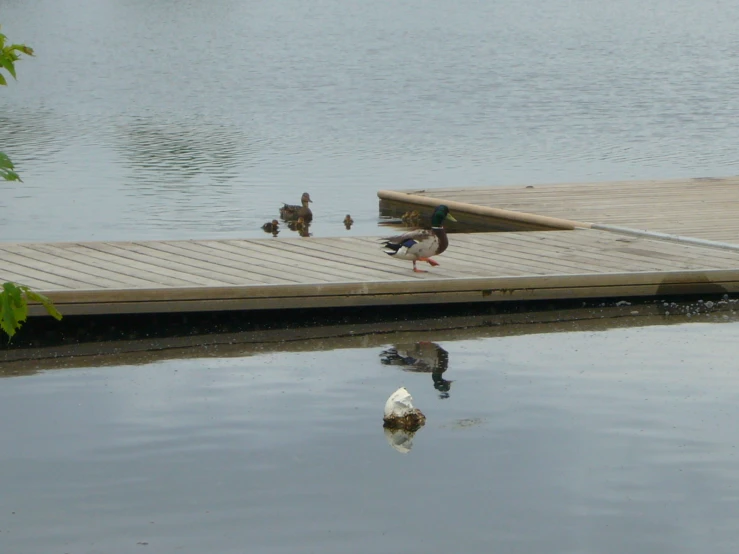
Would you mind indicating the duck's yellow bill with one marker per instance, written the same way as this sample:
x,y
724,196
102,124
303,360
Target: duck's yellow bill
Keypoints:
x,y
450,217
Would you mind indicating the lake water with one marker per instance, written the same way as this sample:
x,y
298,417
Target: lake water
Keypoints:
x,y
192,119
195,118
612,441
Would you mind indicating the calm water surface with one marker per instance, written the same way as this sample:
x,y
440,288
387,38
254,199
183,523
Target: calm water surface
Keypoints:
x,y
614,441
189,119
144,120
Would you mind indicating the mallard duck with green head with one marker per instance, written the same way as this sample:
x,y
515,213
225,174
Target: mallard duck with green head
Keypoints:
x,y
421,244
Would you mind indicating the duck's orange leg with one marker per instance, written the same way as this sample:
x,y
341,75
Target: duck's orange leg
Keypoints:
x,y
418,270
429,261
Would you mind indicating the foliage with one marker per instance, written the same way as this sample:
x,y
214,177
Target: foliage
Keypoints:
x,y
14,306
9,54
6,169
13,296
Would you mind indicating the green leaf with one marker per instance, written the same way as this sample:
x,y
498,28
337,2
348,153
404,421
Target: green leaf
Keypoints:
x,y
20,304
8,175
11,55
27,50
5,161
6,169
8,64
14,306
44,301
2,80
13,309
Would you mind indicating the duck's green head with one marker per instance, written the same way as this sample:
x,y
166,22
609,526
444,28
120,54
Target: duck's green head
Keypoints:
x,y
440,214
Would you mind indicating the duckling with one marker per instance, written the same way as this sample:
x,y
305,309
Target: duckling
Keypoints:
x,y
411,218
297,224
271,226
348,222
301,226
290,212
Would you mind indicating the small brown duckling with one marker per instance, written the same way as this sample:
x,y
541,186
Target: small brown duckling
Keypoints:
x,y
297,225
301,226
411,218
348,221
271,226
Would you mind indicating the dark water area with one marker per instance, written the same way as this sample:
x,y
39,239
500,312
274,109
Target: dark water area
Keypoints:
x,y
611,440
73,336
192,119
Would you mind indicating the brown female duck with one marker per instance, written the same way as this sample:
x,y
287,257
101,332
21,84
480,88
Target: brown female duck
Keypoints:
x,y
291,212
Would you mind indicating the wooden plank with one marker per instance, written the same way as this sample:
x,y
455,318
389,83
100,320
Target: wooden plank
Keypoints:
x,y
87,251
527,252
205,257
327,256
69,278
693,207
429,285
264,262
278,260
600,258
680,251
551,256
20,278
154,258
58,257
162,267
496,295
320,261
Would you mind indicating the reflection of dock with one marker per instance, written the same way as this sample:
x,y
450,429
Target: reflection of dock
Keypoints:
x,y
176,343
590,261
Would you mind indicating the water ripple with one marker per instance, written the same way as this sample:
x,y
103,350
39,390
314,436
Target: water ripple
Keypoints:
x,y
346,98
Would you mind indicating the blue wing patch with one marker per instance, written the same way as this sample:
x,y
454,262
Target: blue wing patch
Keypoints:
x,y
409,242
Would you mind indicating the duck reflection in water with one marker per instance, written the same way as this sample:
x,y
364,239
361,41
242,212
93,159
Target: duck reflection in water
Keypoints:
x,y
421,357
301,226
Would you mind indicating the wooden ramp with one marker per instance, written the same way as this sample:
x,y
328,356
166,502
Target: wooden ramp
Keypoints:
x,y
210,275
705,208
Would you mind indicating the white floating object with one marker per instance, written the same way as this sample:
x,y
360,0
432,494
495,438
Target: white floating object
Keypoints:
x,y
399,404
400,412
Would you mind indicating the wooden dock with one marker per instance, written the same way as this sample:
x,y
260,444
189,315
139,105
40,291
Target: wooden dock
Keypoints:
x,y
212,275
704,208
592,257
